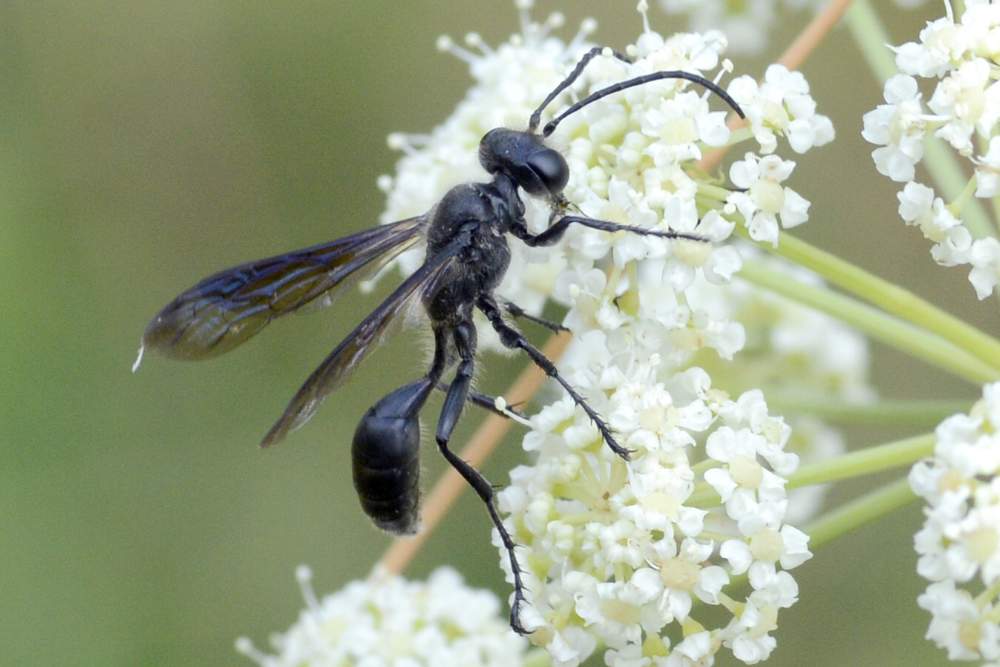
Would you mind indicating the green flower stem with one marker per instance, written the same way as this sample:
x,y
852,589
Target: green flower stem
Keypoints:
x,y
944,168
916,414
988,594
885,328
887,296
715,193
864,461
962,200
737,136
537,658
859,512
872,38
867,461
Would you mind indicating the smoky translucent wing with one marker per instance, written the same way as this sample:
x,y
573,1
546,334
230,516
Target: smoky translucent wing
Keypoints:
x,y
229,307
349,354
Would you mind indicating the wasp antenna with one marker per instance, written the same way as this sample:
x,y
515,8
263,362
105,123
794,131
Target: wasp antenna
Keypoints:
x,y
536,116
638,81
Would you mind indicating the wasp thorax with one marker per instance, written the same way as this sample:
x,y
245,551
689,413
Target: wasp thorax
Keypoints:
x,y
536,168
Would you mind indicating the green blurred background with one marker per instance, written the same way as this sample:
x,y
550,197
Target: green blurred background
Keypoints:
x,y
146,144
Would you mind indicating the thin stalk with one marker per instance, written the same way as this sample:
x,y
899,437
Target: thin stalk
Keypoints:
x,y
813,34
866,461
873,40
959,203
928,347
537,658
858,512
915,413
886,295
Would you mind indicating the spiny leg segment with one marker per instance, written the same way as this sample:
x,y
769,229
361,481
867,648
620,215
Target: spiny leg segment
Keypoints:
x,y
513,339
516,312
465,343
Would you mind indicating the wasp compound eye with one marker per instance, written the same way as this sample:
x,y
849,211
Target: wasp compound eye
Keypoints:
x,y
385,454
551,169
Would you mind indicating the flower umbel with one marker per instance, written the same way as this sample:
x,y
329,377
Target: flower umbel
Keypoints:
x,y
959,544
956,60
387,621
618,555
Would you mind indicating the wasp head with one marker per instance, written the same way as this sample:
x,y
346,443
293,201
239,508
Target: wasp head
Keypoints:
x,y
539,170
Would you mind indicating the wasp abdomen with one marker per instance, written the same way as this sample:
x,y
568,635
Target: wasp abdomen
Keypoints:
x,y
386,460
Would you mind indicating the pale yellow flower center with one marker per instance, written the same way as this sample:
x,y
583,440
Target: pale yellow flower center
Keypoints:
x,y
679,131
661,503
692,253
951,480
653,417
679,574
770,196
775,114
982,544
746,472
766,545
970,634
622,612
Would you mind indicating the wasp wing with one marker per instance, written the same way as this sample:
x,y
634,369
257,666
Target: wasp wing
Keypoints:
x,y
229,307
349,354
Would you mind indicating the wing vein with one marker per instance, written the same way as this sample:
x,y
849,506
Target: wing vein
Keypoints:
x,y
352,350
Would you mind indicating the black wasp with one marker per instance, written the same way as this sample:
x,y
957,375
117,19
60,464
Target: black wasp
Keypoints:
x,y
467,256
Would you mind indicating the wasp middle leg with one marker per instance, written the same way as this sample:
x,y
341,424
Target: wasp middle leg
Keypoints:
x,y
514,339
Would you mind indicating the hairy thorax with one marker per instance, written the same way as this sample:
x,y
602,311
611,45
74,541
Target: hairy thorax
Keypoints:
x,y
472,209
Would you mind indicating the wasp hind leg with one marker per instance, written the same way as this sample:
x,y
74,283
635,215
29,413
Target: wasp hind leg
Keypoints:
x,y
465,343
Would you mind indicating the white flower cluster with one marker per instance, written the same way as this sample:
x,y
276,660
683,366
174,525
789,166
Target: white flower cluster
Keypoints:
x,y
961,59
747,25
390,622
784,356
618,554
959,544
